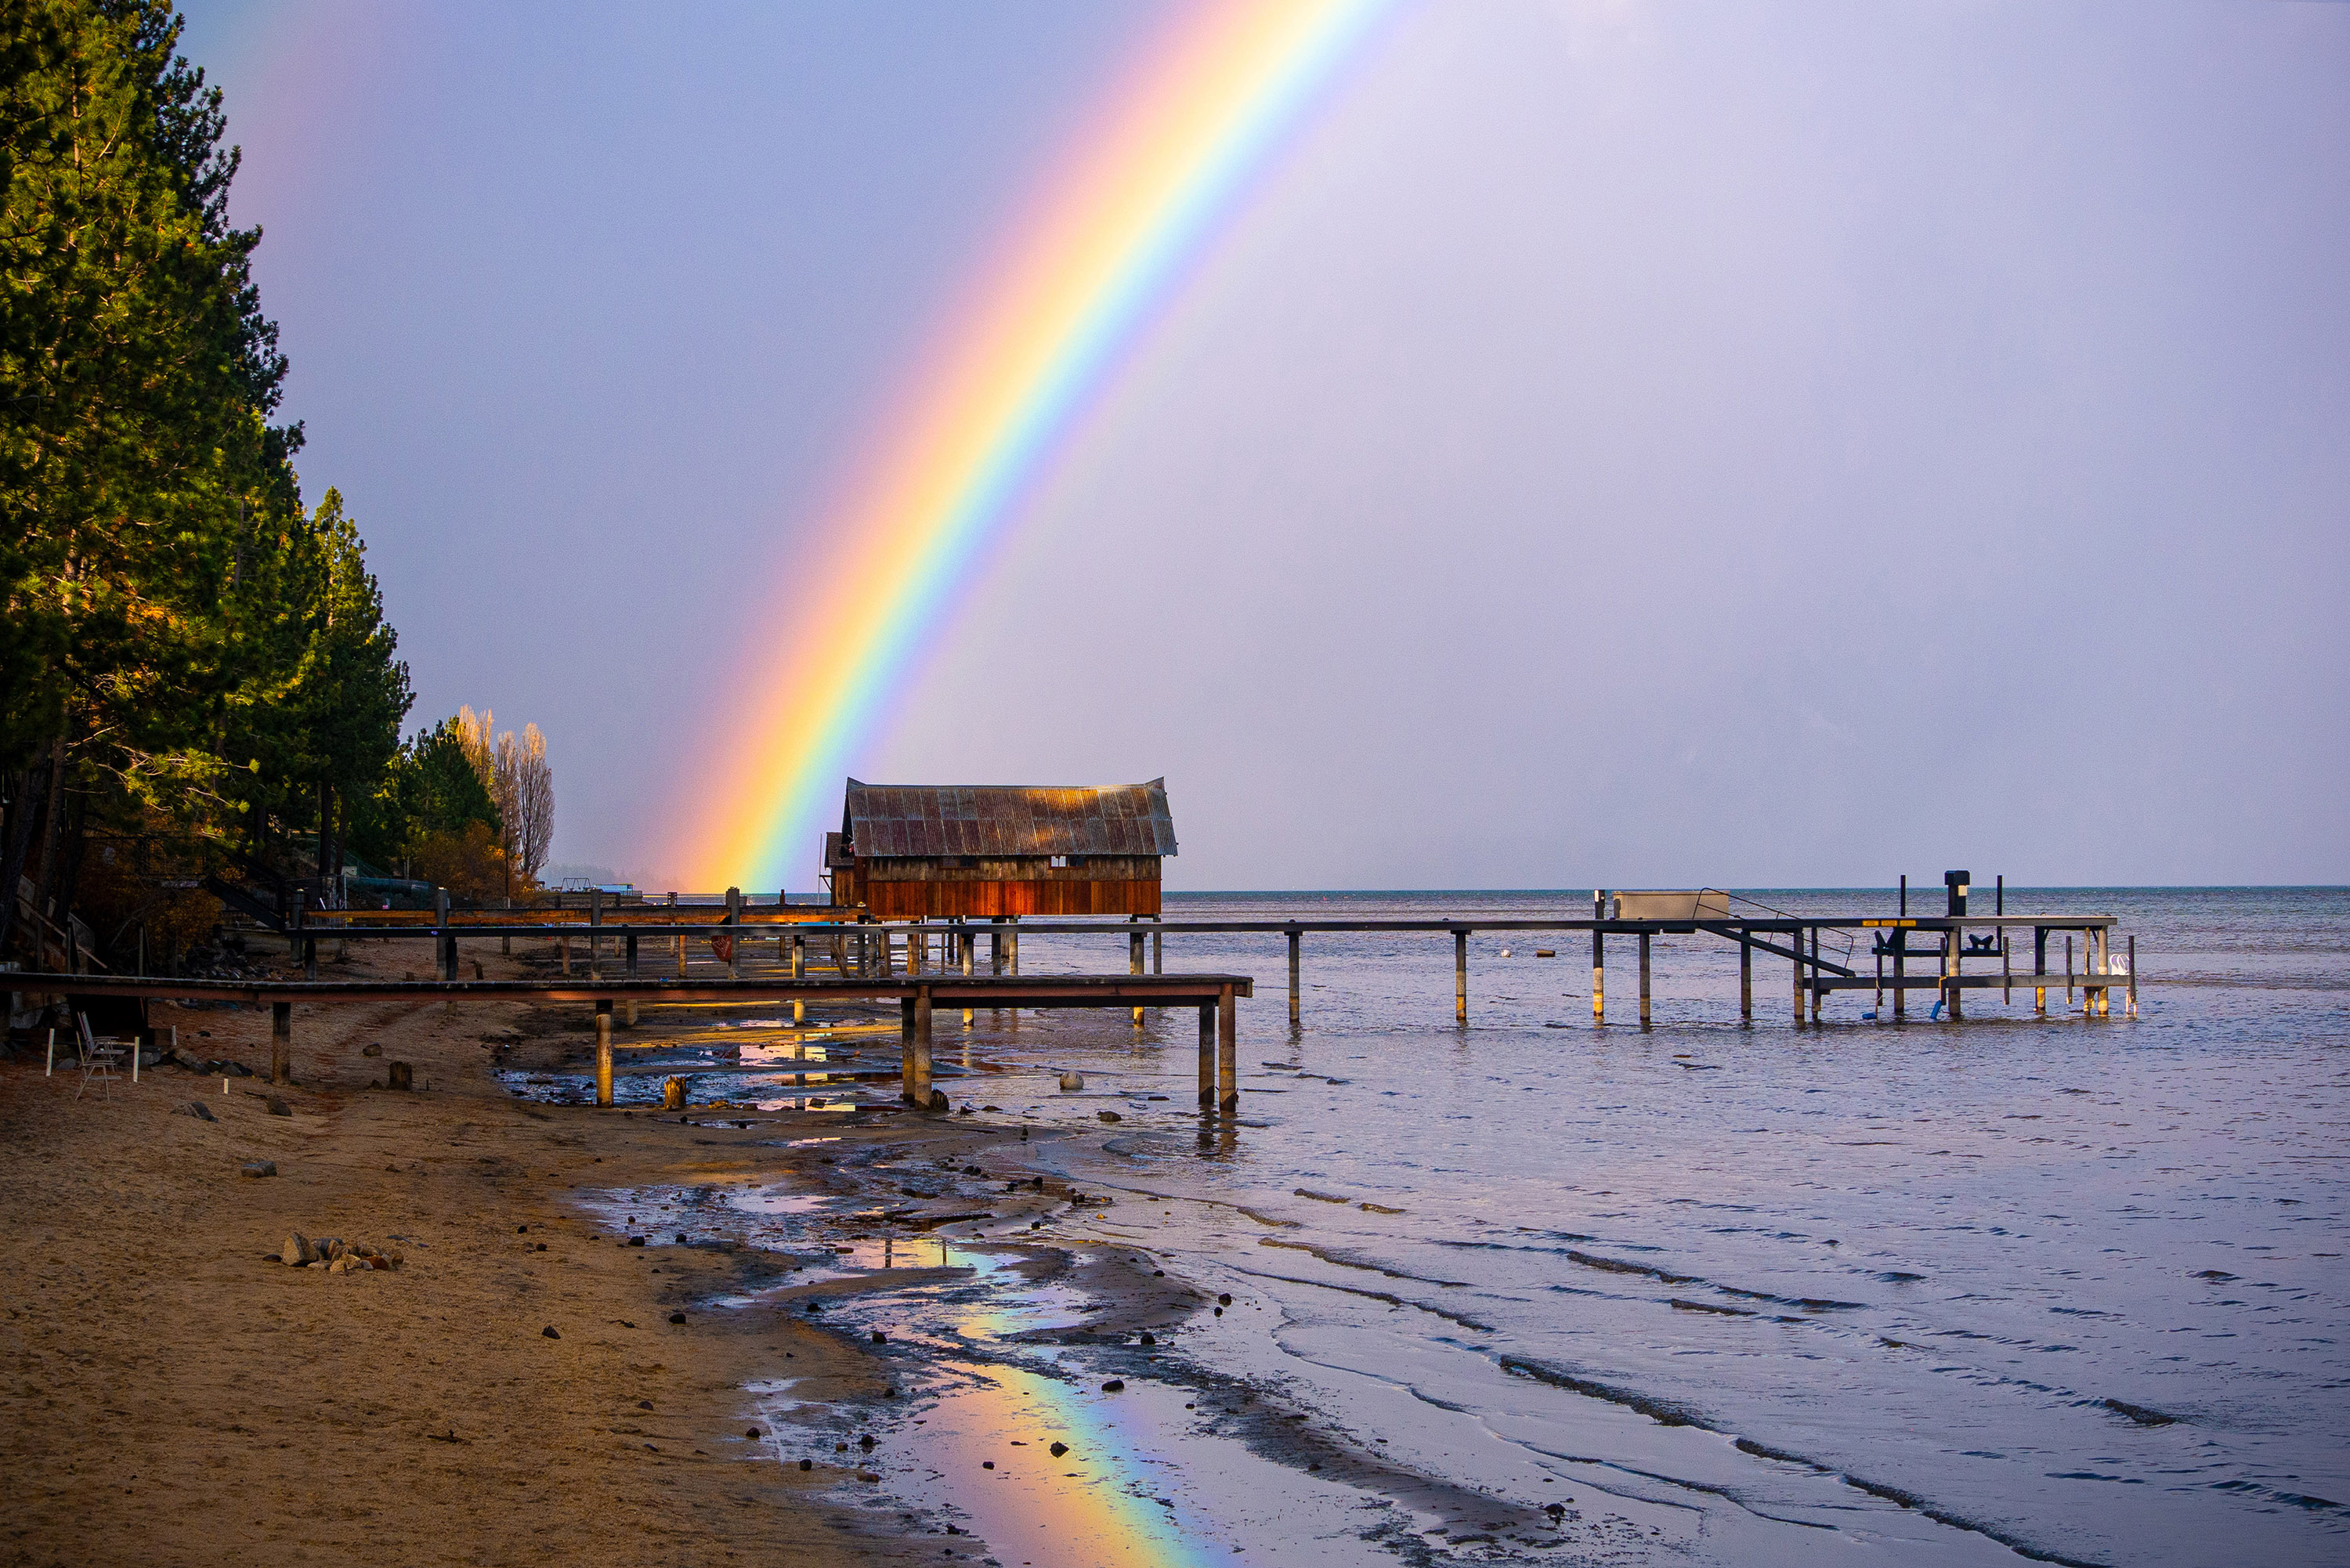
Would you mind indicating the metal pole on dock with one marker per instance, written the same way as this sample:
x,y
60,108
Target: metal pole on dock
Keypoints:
x,y
1459,975
1228,1052
1644,980
604,1053
1207,1054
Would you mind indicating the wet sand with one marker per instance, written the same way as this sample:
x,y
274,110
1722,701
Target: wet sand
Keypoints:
x,y
175,1396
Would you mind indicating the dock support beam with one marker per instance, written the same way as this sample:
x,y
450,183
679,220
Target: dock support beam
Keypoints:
x,y
1795,941
1207,1055
604,1053
1295,936
1598,979
799,971
1134,966
1644,980
918,1052
1228,1052
281,1042
1745,977
1461,976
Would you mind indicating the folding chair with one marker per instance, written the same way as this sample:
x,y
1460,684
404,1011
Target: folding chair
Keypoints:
x,y
98,1057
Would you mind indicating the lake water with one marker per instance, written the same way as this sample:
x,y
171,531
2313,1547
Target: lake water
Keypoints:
x,y
2066,1286
2077,1284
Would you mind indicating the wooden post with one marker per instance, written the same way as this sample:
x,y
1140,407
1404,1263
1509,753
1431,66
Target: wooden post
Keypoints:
x,y
995,944
2132,955
1901,969
1817,993
2006,968
734,933
1207,1054
1745,975
2105,937
563,951
1795,940
1880,955
799,971
604,1053
1015,923
968,940
1461,976
281,1042
1228,1052
1954,942
595,925
922,1048
681,956
1134,966
2069,970
905,1049
505,940
1295,936
1158,948
630,947
1644,980
2039,969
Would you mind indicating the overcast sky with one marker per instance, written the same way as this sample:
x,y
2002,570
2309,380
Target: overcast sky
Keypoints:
x,y
1616,443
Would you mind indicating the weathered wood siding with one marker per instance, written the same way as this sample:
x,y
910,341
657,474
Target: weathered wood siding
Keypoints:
x,y
906,887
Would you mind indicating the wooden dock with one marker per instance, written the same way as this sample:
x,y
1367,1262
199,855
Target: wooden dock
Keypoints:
x,y
918,997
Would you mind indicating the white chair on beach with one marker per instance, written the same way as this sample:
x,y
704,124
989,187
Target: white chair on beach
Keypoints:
x,y
98,1057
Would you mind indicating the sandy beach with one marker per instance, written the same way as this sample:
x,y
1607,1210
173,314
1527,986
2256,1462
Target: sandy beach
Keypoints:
x,y
177,1394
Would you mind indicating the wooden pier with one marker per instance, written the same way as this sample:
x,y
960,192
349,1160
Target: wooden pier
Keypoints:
x,y
918,997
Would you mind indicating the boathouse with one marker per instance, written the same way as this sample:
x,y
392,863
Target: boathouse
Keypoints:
x,y
980,851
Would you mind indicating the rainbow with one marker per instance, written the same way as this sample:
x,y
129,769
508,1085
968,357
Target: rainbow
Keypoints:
x,y
1112,238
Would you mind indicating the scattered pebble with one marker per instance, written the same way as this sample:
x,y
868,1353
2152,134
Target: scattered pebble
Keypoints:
x,y
1073,1082
258,1167
752,1434
879,1337
807,1464
549,1331
1115,1386
1057,1449
677,1317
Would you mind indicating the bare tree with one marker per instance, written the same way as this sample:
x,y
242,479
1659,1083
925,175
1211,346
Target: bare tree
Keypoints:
x,y
525,791
473,734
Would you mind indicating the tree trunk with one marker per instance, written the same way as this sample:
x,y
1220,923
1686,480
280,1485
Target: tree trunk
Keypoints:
x,y
29,793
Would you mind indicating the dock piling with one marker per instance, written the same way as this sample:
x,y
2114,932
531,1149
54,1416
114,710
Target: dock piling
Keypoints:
x,y
920,1092
1228,1052
1459,975
2132,954
968,940
1644,980
1207,1055
1745,977
604,1053
1295,936
799,970
1134,966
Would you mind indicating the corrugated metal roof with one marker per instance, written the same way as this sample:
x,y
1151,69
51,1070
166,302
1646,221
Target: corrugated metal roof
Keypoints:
x,y
882,820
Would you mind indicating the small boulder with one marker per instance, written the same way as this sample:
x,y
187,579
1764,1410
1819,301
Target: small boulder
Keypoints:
x,y
937,1105
277,1108
1115,1386
677,1317
1109,1116
1057,1449
374,1050
807,1464
1073,1082
258,1167
298,1251
548,1332
196,1108
879,1337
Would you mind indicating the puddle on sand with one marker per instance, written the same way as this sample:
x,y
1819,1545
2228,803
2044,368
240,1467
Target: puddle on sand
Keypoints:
x,y
1136,1487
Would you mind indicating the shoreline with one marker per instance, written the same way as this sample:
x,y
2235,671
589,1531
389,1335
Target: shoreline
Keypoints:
x,y
180,1393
